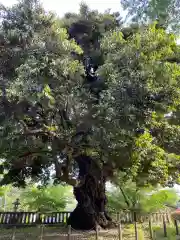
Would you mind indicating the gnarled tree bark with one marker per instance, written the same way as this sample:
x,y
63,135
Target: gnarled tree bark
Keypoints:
x,y
91,197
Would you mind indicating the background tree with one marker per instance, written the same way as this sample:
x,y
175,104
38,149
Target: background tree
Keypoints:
x,y
128,196
166,11
2,198
32,198
46,199
8,196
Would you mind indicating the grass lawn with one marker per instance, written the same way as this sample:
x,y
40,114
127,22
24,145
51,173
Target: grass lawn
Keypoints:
x,y
171,233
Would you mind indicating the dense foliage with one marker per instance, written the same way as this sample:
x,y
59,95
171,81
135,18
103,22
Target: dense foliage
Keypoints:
x,y
166,11
49,199
44,105
143,86
83,98
41,83
45,199
128,196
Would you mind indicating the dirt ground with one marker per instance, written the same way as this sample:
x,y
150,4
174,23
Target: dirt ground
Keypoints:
x,y
61,233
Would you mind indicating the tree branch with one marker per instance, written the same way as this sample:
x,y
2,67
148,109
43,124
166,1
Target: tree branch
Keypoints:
x,y
63,177
24,160
125,197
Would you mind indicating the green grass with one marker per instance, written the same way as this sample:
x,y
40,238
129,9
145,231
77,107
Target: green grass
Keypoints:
x,y
129,232
171,233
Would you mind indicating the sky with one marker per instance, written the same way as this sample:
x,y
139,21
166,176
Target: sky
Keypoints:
x,y
61,7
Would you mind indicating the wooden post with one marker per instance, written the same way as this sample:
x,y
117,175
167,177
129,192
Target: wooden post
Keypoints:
x,y
120,231
136,231
167,216
135,226
14,233
97,232
38,218
150,229
176,227
119,226
69,232
164,226
41,232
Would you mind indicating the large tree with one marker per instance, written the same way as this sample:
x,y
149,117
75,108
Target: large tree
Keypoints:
x,y
46,112
51,119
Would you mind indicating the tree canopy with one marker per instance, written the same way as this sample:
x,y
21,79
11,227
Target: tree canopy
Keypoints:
x,y
83,98
39,59
45,104
142,89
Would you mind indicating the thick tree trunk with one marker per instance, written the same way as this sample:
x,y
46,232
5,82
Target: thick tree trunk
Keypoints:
x,y
90,195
